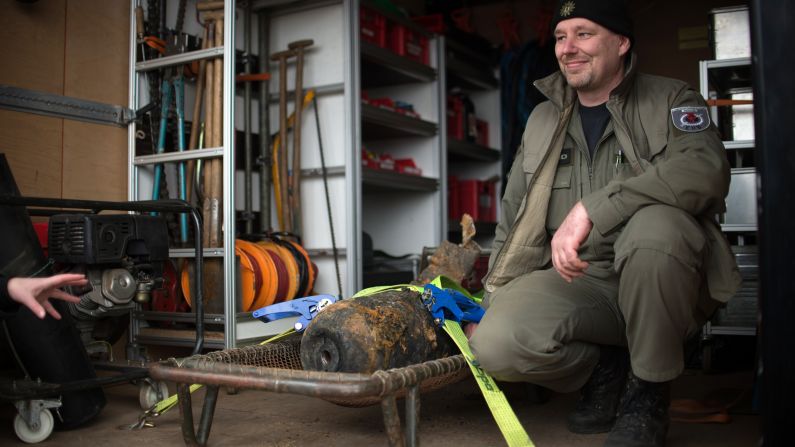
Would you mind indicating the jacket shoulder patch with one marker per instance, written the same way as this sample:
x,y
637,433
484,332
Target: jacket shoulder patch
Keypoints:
x,y
690,119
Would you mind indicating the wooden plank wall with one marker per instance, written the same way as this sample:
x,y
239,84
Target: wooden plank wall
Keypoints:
x,y
76,48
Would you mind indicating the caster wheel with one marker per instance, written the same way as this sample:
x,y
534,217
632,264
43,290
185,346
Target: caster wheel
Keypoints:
x,y
33,435
147,393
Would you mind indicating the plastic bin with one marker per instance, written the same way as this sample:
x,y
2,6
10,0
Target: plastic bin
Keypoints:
x,y
373,26
408,43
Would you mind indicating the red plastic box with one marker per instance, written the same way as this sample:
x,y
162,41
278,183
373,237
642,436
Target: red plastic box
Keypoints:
x,y
487,202
408,43
453,199
372,26
407,166
468,198
478,199
455,117
483,132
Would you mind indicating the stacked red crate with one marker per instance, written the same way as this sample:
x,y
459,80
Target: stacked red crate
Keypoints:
x,y
468,198
455,117
373,26
483,132
408,43
453,199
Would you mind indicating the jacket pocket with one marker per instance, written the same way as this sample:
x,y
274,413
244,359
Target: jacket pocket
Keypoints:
x,y
562,198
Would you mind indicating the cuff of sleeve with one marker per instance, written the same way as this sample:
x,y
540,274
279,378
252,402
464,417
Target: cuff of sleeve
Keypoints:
x,y
7,305
603,212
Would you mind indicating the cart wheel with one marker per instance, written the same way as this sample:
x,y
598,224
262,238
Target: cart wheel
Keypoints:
x,y
147,393
35,435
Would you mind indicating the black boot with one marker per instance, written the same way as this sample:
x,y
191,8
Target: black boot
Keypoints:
x,y
643,415
595,412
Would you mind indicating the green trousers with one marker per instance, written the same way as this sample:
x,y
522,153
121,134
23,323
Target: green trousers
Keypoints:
x,y
540,329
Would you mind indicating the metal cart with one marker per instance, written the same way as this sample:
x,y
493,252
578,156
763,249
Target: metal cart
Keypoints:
x,y
276,367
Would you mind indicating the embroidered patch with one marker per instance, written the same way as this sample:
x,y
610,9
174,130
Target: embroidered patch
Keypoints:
x,y
690,119
567,9
565,156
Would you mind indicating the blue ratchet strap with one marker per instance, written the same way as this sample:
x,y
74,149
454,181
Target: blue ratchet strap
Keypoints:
x,y
304,308
450,304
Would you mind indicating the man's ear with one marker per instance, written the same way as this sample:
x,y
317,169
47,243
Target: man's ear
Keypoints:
x,y
623,45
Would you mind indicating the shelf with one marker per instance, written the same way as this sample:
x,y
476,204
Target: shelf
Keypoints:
x,y
178,317
217,252
213,340
382,67
468,69
464,150
733,145
193,154
377,179
379,123
729,75
465,76
179,59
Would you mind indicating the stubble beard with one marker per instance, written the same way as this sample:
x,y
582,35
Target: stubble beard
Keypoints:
x,y
579,81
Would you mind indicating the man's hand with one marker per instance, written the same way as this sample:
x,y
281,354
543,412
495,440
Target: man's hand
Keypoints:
x,y
567,240
35,293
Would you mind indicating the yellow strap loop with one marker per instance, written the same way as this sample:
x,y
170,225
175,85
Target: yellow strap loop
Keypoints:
x,y
509,425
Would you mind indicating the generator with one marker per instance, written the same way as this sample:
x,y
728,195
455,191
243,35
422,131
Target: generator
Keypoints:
x,y
123,257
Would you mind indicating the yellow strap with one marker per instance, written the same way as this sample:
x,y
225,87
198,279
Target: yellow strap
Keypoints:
x,y
512,430
509,425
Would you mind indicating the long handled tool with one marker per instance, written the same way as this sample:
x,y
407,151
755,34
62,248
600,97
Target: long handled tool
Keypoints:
x,y
216,172
295,179
208,137
280,162
197,108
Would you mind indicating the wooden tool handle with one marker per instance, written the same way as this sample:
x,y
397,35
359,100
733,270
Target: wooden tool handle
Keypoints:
x,y
210,6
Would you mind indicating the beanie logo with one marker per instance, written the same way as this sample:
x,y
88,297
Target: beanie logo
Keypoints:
x,y
567,9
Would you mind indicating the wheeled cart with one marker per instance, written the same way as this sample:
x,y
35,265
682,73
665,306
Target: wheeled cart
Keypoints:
x,y
276,367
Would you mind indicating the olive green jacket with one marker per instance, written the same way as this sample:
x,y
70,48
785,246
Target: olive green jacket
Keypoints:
x,y
687,170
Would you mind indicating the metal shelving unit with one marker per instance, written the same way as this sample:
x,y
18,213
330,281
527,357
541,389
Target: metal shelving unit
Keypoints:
x,y
402,213
725,79
140,167
472,73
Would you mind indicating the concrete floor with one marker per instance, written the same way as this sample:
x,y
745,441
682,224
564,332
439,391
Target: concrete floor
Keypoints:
x,y
452,417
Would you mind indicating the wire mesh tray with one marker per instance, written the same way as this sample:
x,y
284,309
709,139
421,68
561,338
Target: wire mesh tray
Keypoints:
x,y
276,367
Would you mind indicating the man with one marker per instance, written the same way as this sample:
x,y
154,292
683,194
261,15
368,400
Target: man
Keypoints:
x,y
607,237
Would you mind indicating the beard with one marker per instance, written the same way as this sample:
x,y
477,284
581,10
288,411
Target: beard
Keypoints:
x,y
579,80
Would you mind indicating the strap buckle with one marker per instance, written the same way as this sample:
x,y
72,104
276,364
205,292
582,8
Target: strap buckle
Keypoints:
x,y
450,304
304,308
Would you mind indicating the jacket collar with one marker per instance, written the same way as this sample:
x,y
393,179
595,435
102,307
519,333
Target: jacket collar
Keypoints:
x,y
555,88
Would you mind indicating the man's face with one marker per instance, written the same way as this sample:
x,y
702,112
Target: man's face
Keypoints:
x,y
590,55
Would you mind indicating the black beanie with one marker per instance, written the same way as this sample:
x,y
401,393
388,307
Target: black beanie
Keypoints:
x,y
612,14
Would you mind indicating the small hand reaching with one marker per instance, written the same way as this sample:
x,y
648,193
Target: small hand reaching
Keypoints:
x,y
35,293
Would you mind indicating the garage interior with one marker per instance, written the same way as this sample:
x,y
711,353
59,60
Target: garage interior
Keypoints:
x,y
412,111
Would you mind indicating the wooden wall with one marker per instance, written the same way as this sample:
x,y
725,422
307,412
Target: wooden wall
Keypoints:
x,y
76,48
